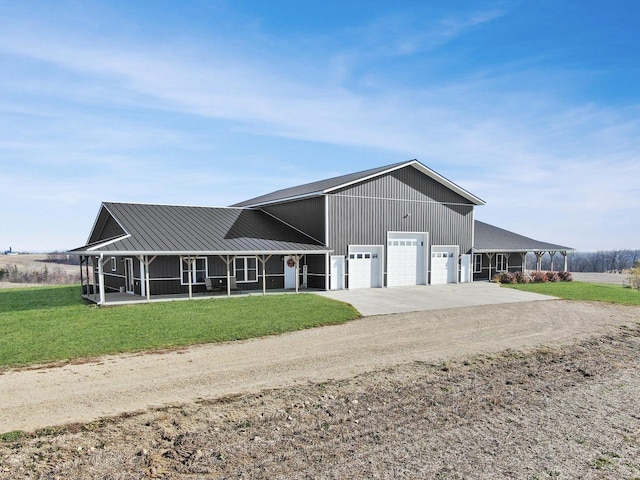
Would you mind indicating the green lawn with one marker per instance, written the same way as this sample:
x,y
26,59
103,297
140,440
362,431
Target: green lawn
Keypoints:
x,y
48,324
583,291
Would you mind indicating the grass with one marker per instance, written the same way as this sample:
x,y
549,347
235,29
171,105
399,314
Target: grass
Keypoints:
x,y
583,291
49,324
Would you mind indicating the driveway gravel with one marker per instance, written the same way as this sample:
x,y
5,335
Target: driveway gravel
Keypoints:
x,y
81,392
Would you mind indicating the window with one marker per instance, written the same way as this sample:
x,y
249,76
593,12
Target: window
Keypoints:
x,y
114,264
199,271
501,262
246,269
477,263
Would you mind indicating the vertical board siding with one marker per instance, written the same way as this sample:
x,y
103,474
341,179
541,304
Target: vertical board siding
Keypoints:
x,y
305,215
406,184
366,221
404,200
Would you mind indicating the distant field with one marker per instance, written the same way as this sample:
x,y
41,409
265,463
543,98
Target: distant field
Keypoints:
x,y
31,263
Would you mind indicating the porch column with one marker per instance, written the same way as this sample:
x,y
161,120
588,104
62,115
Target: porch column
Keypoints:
x,y
490,255
93,279
539,260
551,255
144,260
81,279
263,260
228,262
327,267
507,255
101,279
296,259
523,255
565,264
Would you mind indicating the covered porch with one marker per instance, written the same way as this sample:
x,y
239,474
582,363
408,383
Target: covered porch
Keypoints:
x,y
121,278
497,250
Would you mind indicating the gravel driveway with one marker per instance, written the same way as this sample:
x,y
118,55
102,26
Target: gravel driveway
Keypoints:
x,y
44,396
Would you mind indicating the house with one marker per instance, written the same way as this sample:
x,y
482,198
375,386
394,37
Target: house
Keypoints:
x,y
400,224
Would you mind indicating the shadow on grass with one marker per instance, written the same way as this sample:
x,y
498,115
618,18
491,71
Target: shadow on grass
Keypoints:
x,y
19,299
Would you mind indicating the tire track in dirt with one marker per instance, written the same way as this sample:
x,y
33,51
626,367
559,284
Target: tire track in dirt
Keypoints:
x,y
39,397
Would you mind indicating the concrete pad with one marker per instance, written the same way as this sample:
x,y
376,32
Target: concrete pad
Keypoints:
x,y
380,301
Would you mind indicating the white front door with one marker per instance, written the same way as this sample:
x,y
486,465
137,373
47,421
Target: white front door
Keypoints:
x,y
128,275
289,272
337,272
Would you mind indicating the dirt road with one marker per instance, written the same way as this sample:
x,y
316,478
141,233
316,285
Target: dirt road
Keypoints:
x,y
35,398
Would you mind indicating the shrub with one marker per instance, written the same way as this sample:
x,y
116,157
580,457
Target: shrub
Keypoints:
x,y
538,277
521,277
504,277
552,276
565,276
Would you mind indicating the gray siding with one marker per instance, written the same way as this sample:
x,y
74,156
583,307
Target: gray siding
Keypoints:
x,y
365,221
305,215
106,228
406,184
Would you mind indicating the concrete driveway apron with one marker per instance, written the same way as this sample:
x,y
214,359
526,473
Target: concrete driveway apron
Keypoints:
x,y
380,301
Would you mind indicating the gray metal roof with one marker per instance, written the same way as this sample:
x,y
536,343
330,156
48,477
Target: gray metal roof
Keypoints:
x,y
330,184
176,229
488,239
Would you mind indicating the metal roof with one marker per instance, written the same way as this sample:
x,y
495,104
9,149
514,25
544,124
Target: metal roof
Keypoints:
x,y
488,239
331,184
177,229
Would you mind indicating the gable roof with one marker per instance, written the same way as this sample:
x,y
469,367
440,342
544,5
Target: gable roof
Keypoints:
x,y
176,229
490,239
331,184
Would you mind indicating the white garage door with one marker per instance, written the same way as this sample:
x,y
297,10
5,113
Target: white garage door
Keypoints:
x,y
444,264
365,267
406,263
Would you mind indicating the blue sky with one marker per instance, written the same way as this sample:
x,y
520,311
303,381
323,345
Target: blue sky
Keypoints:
x,y
532,106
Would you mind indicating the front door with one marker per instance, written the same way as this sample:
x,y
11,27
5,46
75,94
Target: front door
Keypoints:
x,y
128,275
289,272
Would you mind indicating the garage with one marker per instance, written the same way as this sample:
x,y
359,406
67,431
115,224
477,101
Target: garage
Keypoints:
x,y
365,266
406,259
444,264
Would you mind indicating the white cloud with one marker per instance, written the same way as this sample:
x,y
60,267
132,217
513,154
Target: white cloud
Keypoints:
x,y
528,152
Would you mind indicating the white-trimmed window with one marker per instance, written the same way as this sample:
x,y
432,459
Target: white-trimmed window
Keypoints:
x,y
246,269
477,263
501,262
198,271
114,264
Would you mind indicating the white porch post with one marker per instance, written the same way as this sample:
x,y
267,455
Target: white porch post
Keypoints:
x,y
190,279
551,255
523,255
327,268
228,262
490,255
539,260
263,260
565,264
101,279
144,260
